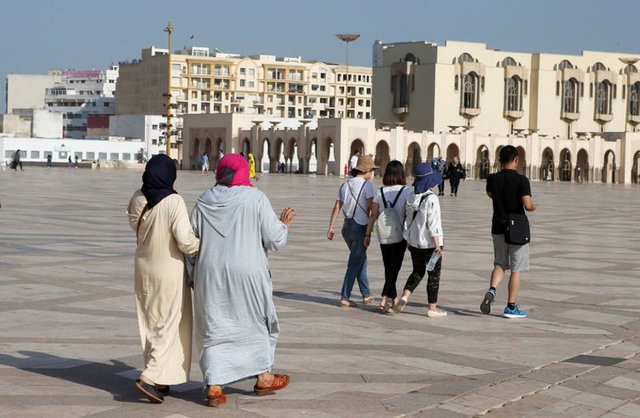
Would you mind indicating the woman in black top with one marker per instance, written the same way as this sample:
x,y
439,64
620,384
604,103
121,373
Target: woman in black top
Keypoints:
x,y
455,172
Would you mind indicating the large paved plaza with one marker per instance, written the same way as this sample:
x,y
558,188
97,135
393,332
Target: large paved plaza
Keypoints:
x,y
69,344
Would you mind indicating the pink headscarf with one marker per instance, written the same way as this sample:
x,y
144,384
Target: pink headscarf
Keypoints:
x,y
233,170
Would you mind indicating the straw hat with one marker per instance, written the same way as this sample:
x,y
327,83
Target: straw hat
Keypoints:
x,y
365,164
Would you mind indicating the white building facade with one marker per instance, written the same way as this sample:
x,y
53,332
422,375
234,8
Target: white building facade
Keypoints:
x,y
81,93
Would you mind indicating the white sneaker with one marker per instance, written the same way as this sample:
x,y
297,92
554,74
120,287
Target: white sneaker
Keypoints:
x,y
400,304
436,314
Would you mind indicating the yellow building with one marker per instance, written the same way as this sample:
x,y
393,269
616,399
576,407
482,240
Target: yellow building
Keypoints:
x,y
205,82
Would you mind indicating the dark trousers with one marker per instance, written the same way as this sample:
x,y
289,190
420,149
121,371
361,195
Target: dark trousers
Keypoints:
x,y
419,259
392,256
441,188
454,186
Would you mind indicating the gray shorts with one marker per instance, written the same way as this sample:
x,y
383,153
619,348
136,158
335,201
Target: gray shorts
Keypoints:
x,y
509,256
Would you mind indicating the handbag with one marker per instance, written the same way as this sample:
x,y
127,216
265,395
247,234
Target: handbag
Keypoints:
x,y
518,231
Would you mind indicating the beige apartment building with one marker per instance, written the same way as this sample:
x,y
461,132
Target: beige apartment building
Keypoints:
x,y
464,86
214,82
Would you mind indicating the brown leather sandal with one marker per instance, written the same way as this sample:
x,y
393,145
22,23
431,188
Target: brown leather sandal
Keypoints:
x,y
280,381
215,396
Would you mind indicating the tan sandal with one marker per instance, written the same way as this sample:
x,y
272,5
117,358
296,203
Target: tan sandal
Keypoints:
x,y
368,300
347,304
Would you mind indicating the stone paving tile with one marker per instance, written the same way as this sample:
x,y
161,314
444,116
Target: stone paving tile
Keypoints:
x,y
67,317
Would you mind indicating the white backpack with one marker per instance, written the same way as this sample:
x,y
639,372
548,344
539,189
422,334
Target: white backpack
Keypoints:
x,y
388,225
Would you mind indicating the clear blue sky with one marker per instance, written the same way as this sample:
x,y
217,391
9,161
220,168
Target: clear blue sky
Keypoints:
x,y
38,35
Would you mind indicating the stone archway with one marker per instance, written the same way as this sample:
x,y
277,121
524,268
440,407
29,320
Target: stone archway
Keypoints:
x,y
547,166
452,151
413,158
356,145
265,167
635,166
496,160
433,151
609,167
313,155
246,147
195,154
277,158
482,164
382,157
582,167
565,165
522,161
293,156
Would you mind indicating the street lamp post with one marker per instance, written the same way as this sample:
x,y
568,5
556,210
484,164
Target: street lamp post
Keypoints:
x,y
169,30
347,37
627,113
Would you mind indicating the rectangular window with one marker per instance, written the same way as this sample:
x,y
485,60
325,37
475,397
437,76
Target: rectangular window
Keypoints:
x,y
252,85
243,71
35,154
114,156
91,155
126,156
79,155
102,156
251,73
242,83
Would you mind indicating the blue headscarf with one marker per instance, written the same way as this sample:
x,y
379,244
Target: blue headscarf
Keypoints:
x,y
158,178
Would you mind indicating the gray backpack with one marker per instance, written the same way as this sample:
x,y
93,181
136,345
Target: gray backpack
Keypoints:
x,y
388,225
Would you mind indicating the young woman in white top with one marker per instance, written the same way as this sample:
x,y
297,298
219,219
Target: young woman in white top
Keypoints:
x,y
394,194
423,232
355,199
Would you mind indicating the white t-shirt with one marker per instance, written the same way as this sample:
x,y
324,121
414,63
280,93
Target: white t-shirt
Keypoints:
x,y
348,193
354,161
390,193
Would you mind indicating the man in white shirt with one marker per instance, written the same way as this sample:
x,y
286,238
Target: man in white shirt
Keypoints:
x,y
354,160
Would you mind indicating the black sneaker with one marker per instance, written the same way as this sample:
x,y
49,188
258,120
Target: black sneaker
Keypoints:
x,y
485,306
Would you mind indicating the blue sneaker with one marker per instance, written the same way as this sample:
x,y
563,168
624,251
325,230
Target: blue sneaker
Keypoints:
x,y
485,306
514,313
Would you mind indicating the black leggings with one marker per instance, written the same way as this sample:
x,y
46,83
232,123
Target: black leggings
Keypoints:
x,y
392,256
454,186
420,258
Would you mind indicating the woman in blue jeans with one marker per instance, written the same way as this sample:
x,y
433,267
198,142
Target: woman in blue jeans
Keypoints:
x,y
355,198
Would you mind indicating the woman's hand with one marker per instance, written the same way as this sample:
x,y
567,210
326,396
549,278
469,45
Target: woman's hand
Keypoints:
x,y
330,233
287,216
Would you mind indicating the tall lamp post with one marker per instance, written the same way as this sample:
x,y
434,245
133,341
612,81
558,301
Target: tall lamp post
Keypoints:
x,y
169,30
347,37
627,113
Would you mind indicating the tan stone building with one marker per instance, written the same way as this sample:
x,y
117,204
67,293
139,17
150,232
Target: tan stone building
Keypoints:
x,y
205,82
467,86
324,146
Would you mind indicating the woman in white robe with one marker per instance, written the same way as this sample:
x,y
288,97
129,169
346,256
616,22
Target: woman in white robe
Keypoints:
x,y
160,219
236,321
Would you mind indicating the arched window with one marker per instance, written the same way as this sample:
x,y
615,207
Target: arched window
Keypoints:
x,y
598,66
565,64
470,91
509,62
513,92
466,58
570,96
410,58
603,98
634,96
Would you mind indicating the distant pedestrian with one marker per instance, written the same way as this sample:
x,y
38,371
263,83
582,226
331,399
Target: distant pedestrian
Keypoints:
x,y
76,161
510,193
70,162
442,169
49,160
455,173
204,162
353,162
15,161
252,167
424,234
